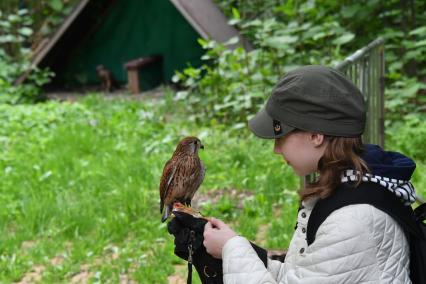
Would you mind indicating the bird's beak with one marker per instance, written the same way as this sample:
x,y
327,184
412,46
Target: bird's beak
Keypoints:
x,y
202,146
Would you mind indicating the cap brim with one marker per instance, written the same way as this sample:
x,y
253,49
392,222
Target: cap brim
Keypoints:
x,y
262,125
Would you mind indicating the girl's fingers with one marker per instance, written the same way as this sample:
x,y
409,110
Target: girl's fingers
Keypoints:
x,y
217,223
208,226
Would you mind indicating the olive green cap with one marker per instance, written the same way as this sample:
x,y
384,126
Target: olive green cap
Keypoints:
x,y
312,98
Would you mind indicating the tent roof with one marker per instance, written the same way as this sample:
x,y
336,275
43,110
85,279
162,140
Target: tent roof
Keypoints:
x,y
207,19
203,15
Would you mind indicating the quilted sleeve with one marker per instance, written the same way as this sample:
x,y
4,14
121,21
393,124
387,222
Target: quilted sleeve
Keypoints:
x,y
344,251
240,263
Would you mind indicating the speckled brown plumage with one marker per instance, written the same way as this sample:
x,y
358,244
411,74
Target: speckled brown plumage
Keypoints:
x,y
182,175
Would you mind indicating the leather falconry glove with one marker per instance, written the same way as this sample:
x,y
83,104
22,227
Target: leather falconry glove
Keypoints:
x,y
188,232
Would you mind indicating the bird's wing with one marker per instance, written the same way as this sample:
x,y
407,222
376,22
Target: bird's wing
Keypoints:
x,y
195,180
166,179
201,175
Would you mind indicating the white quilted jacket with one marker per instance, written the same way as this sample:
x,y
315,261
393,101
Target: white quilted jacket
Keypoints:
x,y
355,244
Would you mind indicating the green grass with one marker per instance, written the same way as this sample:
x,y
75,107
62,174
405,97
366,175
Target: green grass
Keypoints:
x,y
79,188
79,184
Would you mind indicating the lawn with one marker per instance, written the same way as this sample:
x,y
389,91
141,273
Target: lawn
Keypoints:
x,y
79,189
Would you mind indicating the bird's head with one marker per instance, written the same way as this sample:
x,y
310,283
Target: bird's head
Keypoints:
x,y
189,145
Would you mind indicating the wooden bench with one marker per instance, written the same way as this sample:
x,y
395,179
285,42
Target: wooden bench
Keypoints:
x,y
133,67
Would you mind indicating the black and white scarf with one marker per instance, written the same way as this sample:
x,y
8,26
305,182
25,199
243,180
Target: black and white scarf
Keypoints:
x,y
403,189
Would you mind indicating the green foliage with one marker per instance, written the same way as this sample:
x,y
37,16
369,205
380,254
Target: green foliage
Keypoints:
x,y
234,83
406,96
23,27
230,89
46,16
408,135
15,60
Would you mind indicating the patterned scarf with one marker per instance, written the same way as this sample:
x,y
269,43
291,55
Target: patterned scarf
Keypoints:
x,y
403,189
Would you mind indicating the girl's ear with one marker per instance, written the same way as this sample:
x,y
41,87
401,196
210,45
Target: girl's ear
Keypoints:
x,y
317,139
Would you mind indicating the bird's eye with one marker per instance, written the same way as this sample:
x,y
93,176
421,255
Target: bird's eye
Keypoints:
x,y
196,142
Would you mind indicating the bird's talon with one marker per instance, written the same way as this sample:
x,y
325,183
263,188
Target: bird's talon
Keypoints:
x,y
178,205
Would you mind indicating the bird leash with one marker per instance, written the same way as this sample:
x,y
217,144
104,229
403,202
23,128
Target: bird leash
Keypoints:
x,y
190,253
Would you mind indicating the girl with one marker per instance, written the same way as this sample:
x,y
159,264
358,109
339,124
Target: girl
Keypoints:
x,y
317,117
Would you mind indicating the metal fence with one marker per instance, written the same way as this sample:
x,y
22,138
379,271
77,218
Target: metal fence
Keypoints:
x,y
366,68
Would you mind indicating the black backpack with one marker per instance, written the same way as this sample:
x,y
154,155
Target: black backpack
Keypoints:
x,y
412,221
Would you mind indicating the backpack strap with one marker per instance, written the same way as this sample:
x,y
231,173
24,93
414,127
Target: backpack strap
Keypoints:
x,y
365,193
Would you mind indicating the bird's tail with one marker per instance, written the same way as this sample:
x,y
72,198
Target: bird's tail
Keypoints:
x,y
166,213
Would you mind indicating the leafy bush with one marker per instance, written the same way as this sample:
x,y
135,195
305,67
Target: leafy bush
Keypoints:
x,y
405,96
233,86
285,34
45,16
15,60
234,83
408,135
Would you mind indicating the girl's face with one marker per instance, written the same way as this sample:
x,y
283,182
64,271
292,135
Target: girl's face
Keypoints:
x,y
301,150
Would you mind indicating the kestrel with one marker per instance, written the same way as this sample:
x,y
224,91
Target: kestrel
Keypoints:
x,y
182,176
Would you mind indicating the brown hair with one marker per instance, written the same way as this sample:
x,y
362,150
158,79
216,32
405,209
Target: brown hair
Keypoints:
x,y
341,153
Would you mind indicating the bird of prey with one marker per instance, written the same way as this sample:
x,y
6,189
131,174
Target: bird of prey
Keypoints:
x,y
182,176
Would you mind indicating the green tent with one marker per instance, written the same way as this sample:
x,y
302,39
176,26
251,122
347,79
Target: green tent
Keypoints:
x,y
113,32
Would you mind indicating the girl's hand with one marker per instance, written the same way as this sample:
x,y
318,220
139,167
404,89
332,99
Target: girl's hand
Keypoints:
x,y
216,234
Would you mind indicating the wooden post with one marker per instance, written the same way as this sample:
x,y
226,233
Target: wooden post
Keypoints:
x,y
132,68
133,80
